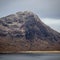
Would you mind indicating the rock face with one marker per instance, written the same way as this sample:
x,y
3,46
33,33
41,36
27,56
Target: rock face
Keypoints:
x,y
24,31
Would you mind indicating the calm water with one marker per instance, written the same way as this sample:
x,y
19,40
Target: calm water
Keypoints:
x,y
29,56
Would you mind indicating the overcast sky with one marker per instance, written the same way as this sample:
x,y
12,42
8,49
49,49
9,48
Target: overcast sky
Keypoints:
x,y
49,9
45,8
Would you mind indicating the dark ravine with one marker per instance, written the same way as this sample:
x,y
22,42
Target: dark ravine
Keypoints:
x,y
24,31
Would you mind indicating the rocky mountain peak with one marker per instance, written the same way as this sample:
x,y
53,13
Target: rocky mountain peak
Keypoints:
x,y
26,30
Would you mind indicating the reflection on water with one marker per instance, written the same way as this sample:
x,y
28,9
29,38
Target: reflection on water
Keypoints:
x,y
29,56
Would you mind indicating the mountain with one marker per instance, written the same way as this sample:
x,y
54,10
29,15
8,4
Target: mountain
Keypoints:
x,y
24,31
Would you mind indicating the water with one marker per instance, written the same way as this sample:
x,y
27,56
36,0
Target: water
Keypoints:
x,y
29,56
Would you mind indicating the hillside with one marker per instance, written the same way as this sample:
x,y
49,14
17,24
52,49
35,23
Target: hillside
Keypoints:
x,y
24,31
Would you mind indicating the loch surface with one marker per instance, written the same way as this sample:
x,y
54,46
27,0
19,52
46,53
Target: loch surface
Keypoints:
x,y
29,56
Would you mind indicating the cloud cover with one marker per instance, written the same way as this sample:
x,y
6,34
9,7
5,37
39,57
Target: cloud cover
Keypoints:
x,y
44,8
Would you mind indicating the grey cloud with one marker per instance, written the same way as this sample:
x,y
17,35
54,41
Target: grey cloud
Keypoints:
x,y
44,8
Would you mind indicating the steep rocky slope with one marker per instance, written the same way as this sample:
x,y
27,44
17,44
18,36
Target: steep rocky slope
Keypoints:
x,y
24,31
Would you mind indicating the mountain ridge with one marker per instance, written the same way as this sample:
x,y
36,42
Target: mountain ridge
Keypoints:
x,y
24,31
